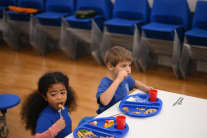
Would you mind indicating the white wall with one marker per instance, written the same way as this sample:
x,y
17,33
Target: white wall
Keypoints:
x,y
192,3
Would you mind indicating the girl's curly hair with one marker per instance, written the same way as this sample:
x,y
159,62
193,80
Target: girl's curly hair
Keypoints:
x,y
35,103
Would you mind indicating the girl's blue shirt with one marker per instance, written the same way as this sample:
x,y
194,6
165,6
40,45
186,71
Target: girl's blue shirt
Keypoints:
x,y
49,116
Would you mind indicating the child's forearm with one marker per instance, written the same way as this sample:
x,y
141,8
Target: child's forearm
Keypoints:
x,y
50,133
107,96
142,86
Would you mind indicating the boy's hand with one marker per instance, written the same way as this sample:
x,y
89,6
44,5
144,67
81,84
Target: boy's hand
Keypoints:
x,y
60,123
122,75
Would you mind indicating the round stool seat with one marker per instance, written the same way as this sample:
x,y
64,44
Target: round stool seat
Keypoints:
x,y
8,101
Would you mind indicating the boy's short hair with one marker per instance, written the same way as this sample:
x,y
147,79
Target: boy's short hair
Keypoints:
x,y
117,54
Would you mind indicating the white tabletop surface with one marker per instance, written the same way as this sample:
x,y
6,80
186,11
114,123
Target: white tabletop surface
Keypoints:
x,y
188,120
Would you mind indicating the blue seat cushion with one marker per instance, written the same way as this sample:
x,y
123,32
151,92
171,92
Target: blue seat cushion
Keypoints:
x,y
18,16
8,101
84,23
123,26
168,19
197,36
162,31
51,18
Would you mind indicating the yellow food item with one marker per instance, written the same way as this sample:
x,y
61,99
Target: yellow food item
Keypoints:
x,y
126,109
136,112
148,111
142,109
108,123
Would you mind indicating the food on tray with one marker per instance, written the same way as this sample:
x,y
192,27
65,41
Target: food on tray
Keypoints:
x,y
95,123
108,123
131,99
83,133
136,99
107,137
136,112
126,109
149,111
142,109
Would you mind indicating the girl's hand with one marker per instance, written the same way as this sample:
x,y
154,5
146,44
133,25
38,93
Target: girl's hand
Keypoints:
x,y
60,123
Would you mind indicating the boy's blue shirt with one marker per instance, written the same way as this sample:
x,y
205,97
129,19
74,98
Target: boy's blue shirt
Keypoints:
x,y
49,116
127,85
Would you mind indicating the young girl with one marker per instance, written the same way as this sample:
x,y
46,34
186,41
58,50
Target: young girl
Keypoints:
x,y
46,111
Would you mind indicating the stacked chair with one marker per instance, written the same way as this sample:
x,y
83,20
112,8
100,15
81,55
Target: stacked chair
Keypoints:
x,y
164,34
194,54
127,17
126,14
3,7
45,28
17,23
76,32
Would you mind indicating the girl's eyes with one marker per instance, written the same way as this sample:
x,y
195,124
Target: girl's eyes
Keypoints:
x,y
63,92
54,93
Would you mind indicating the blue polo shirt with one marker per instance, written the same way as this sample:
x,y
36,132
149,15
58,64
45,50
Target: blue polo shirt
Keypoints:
x,y
49,116
123,89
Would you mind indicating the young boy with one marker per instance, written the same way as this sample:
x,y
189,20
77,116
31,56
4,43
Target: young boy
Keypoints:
x,y
117,85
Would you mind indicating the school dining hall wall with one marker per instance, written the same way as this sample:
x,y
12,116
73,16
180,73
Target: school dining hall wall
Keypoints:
x,y
20,71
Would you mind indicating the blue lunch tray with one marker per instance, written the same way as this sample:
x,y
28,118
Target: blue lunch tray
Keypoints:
x,y
99,129
138,105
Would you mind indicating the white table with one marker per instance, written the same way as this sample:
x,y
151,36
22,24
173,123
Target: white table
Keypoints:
x,y
188,120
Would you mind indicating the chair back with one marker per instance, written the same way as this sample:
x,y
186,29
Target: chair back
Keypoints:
x,y
37,4
60,5
171,12
7,2
200,16
132,9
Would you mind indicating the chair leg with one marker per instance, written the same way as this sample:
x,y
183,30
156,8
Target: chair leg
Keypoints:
x,y
185,60
142,56
177,45
4,131
97,57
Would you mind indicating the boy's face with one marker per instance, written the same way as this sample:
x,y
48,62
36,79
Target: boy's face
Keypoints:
x,y
56,94
121,66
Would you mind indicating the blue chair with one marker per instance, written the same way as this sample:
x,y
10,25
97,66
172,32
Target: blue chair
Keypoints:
x,y
55,10
17,24
103,10
165,32
198,34
166,17
6,101
45,28
194,54
4,5
126,14
36,4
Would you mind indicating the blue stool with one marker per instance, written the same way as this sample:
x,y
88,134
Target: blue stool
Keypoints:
x,y
6,101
